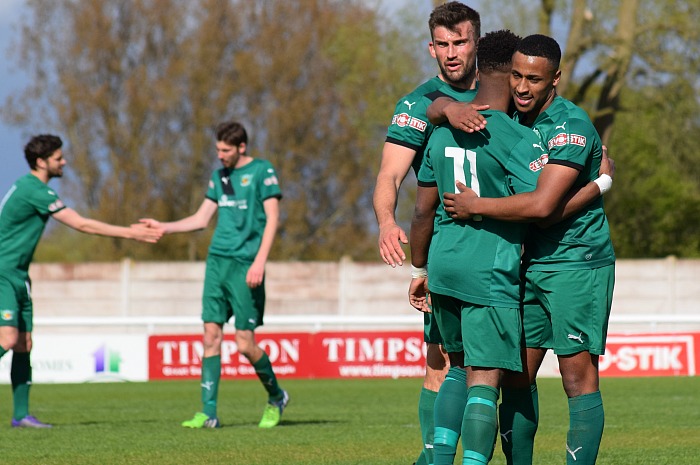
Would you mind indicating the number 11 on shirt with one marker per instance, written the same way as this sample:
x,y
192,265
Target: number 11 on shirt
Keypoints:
x,y
458,155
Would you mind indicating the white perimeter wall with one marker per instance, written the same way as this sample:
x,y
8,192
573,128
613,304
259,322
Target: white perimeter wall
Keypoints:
x,y
652,289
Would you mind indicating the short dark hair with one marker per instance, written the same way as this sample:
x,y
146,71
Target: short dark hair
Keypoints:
x,y
494,51
538,45
232,133
41,146
450,14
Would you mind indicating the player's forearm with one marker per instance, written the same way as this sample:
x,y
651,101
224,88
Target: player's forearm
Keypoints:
x,y
384,201
191,223
517,208
268,238
421,233
436,110
90,226
574,201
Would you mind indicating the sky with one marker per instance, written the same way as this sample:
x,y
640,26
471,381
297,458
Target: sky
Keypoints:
x,y
12,164
12,138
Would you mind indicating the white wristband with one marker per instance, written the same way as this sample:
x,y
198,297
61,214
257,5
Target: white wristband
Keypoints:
x,y
418,272
604,182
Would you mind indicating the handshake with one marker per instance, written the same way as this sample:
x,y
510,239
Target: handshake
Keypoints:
x,y
147,230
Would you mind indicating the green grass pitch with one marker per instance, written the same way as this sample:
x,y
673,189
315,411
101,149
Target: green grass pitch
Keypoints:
x,y
334,422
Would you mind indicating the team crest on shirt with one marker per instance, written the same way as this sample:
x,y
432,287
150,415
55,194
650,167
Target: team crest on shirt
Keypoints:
x,y
538,164
563,139
246,179
55,206
404,119
6,315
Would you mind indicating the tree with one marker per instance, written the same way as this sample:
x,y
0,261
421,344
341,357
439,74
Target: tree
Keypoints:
x,y
632,64
136,86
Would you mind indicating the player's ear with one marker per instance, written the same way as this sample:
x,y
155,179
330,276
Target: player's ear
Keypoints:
x,y
557,77
242,148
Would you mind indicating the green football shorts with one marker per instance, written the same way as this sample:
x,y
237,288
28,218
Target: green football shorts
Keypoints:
x,y
226,294
489,336
568,311
431,330
16,307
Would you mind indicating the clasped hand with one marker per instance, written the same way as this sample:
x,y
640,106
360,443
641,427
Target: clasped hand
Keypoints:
x,y
459,206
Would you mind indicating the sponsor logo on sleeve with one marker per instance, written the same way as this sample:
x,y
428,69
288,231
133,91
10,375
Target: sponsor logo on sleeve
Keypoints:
x,y
538,164
563,139
55,206
271,181
404,119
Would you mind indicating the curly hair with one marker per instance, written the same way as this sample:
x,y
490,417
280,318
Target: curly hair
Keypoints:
x,y
494,51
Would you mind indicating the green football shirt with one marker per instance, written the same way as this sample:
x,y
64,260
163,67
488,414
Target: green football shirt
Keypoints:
x,y
582,240
239,194
24,211
479,261
410,126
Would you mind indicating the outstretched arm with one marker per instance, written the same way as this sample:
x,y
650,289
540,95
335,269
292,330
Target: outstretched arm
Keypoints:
x,y
396,162
256,272
199,220
74,220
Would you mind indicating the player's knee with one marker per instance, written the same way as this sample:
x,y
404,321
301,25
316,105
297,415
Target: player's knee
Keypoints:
x,y
246,344
9,340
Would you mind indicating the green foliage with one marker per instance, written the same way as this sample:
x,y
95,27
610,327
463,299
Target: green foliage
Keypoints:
x,y
135,86
654,207
328,422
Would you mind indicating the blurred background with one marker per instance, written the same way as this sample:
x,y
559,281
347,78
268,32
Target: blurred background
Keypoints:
x,y
134,88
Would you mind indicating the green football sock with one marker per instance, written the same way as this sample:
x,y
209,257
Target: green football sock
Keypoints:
x,y
519,417
426,418
586,422
263,368
211,375
421,460
479,425
449,410
21,377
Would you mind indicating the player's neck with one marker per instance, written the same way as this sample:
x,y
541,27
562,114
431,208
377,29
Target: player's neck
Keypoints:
x,y
242,161
494,91
42,175
468,83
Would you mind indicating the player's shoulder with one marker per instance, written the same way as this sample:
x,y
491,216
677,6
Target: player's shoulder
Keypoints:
x,y
426,87
564,111
505,126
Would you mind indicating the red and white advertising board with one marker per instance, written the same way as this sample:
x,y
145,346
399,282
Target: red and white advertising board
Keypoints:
x,y
393,354
651,355
387,354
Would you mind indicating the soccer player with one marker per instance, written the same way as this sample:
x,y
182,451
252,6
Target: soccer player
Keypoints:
x,y
454,30
24,211
246,194
569,267
473,265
